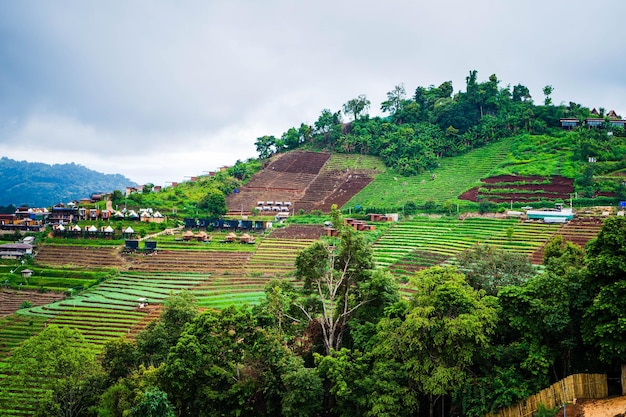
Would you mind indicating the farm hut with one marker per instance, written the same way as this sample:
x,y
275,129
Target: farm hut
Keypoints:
x,y
259,225
132,215
27,273
231,237
245,224
202,237
118,215
128,232
150,246
105,214
190,223
188,235
143,302
259,203
246,238
91,231
331,231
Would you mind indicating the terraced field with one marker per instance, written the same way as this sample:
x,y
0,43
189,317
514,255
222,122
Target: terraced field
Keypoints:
x,y
426,241
91,257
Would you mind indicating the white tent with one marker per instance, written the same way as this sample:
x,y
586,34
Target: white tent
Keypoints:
x,y
129,230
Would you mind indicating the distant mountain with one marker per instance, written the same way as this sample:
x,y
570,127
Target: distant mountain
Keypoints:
x,y
36,184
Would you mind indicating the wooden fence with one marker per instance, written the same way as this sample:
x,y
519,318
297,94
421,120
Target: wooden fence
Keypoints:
x,y
565,391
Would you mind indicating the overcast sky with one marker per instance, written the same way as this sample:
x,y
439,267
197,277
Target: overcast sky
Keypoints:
x,y
161,90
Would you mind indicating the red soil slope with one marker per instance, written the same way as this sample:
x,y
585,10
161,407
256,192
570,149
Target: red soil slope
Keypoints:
x,y
299,178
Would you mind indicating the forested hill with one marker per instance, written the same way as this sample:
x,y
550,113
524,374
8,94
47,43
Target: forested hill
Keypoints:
x,y
37,184
428,123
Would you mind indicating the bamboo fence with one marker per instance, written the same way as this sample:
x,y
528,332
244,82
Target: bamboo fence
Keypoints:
x,y
565,391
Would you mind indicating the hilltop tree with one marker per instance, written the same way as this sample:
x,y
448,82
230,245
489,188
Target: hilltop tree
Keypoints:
x,y
356,106
395,100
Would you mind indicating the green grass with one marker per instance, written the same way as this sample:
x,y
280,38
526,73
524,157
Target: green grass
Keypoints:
x,y
452,178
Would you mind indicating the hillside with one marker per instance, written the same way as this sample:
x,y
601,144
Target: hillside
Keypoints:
x,y
37,184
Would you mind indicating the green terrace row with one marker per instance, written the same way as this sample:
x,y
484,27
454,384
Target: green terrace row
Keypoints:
x,y
446,236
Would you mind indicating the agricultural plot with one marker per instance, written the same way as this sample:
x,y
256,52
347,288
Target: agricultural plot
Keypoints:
x,y
527,190
423,241
12,300
74,256
579,231
447,182
309,180
191,261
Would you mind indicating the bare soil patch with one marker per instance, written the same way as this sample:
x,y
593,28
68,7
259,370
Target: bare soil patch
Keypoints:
x,y
11,300
296,231
299,177
606,407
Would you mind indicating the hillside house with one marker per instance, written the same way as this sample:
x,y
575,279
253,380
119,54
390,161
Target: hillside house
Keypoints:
x,y
63,215
569,122
15,250
594,122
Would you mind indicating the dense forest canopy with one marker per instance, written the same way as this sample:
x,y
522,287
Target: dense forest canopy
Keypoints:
x,y
431,123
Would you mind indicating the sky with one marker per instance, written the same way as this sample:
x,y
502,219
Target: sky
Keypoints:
x,y
160,91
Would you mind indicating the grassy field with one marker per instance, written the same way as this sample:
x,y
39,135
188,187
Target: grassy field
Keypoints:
x,y
447,182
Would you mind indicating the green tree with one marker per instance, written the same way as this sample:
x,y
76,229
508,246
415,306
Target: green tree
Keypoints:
x,y
436,343
154,403
547,91
155,341
265,146
333,275
357,106
120,358
489,269
62,364
395,100
605,318
224,363
116,196
214,203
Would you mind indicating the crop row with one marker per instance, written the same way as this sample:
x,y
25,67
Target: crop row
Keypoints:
x,y
445,237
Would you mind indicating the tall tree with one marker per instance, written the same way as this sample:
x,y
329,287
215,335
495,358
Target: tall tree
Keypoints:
x,y
436,342
332,275
63,366
357,106
395,100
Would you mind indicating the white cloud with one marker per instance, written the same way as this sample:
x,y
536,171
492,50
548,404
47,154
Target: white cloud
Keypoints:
x,y
158,91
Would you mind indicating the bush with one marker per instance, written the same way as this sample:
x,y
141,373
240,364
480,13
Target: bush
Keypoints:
x,y
485,206
26,304
544,411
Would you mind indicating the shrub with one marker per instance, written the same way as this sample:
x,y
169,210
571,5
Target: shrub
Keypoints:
x,y
26,304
